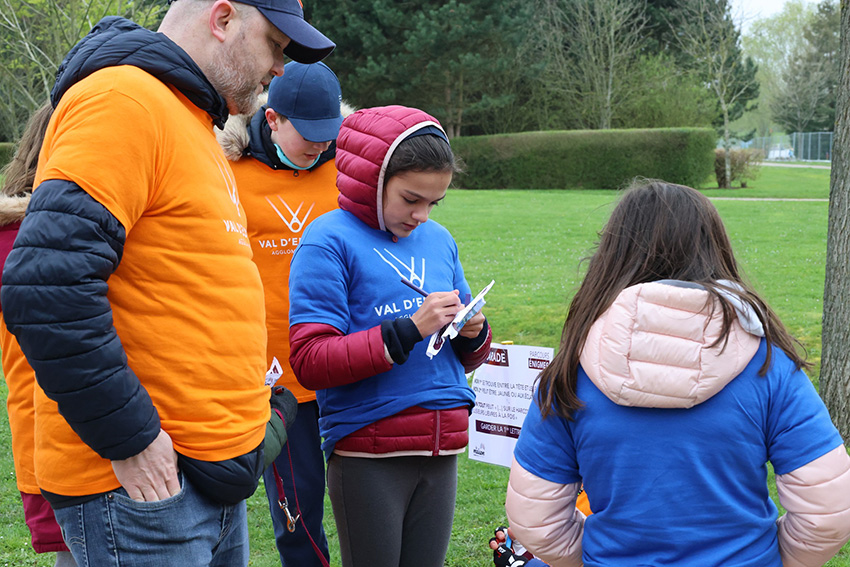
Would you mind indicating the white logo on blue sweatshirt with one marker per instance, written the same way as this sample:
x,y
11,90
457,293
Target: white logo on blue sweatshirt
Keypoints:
x,y
408,272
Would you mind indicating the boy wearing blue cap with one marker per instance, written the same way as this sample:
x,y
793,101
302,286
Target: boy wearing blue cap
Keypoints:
x,y
283,161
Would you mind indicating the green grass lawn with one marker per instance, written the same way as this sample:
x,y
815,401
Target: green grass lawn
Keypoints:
x,y
531,243
821,163
780,183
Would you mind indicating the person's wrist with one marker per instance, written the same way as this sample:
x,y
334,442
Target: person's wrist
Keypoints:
x,y
400,336
415,319
408,331
471,344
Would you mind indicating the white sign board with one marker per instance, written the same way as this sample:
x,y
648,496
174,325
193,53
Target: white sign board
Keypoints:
x,y
503,389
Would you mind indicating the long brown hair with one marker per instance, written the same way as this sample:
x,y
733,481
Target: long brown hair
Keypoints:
x,y
19,174
658,231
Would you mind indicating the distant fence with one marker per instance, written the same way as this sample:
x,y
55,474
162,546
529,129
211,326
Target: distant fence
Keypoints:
x,y
802,146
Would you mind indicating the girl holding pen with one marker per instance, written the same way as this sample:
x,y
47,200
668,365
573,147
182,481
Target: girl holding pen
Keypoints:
x,y
393,420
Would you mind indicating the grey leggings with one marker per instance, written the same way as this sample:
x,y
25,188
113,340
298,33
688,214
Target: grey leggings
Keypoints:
x,y
393,512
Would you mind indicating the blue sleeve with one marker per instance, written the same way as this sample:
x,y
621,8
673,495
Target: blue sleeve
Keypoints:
x,y
318,286
799,429
54,299
545,447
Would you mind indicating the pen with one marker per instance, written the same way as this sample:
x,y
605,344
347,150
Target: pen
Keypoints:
x,y
414,287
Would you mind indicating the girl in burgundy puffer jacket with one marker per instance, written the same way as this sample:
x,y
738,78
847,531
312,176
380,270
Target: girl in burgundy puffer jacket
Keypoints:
x,y
393,420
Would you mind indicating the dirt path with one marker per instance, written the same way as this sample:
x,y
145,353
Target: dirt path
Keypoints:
x,y
777,164
767,199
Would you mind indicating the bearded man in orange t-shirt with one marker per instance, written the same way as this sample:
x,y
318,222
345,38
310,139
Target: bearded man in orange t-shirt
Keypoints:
x,y
146,332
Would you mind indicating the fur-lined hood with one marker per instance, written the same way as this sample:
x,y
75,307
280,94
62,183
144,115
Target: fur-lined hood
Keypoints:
x,y
234,138
13,208
241,136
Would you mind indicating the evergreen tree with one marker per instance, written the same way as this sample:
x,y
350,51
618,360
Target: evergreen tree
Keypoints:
x,y
662,18
822,34
806,92
448,58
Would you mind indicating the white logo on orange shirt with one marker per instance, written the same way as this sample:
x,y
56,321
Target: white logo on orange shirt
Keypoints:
x,y
229,181
294,223
410,271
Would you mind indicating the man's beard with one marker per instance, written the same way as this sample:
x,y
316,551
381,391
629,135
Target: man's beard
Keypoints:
x,y
239,91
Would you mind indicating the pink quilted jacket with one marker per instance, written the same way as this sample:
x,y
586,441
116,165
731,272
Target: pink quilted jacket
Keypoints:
x,y
366,141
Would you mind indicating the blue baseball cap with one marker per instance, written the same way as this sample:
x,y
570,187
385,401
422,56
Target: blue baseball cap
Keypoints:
x,y
309,96
307,45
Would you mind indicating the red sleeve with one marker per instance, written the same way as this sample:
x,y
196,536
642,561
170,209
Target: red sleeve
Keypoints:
x,y
7,239
474,359
323,357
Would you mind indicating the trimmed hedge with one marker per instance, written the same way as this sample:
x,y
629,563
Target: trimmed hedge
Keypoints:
x,y
592,159
7,152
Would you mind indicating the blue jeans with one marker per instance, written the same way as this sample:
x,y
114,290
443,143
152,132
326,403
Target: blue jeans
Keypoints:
x,y
308,463
186,530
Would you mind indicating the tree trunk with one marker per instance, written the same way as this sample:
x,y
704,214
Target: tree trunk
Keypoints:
x,y
448,122
727,148
461,102
835,364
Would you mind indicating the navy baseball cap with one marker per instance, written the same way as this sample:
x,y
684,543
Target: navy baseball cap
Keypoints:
x,y
307,45
309,96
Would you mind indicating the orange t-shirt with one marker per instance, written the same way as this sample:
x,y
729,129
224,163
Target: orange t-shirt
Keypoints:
x,y
583,504
186,299
19,404
280,204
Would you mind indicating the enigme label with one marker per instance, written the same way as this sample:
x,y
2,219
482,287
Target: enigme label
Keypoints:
x,y
537,363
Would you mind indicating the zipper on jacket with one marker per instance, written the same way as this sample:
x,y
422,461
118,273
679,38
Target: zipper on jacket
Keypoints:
x,y
437,435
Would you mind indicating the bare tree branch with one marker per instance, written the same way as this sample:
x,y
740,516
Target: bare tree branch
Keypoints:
x,y
591,46
35,35
712,41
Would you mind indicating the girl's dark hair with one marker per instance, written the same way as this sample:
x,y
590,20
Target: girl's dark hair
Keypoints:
x,y
19,174
657,231
427,152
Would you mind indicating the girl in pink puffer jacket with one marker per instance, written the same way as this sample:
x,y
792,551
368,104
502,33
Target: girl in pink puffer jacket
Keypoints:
x,y
674,385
